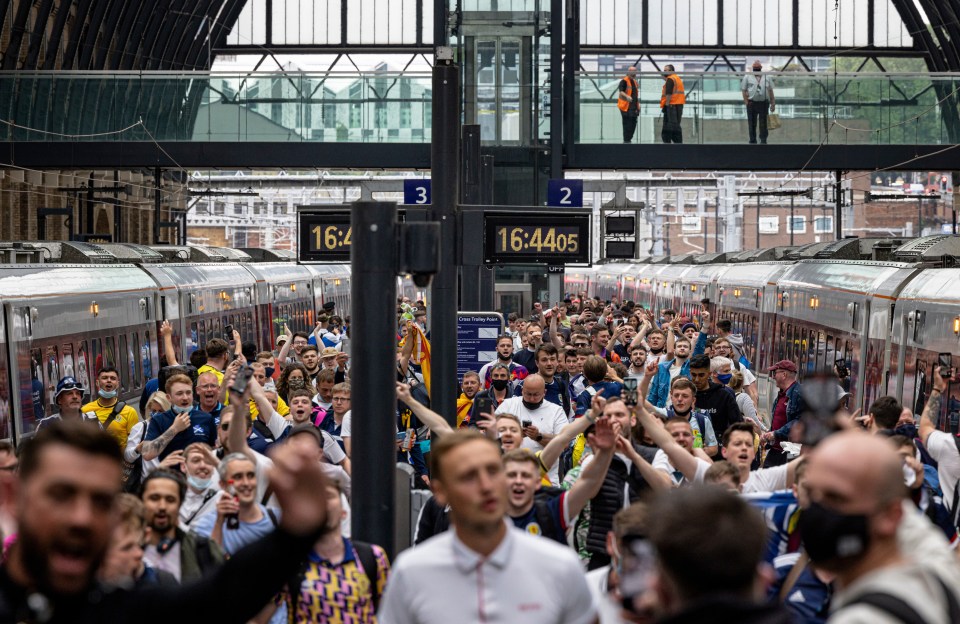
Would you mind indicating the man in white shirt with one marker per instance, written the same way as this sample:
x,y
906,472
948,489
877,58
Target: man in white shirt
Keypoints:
x,y
541,419
737,448
941,445
757,93
203,489
487,570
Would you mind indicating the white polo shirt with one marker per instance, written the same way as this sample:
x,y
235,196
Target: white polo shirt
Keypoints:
x,y
526,579
548,418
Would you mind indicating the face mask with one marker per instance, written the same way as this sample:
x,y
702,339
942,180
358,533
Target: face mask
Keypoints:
x,y
199,484
182,410
829,536
725,379
152,414
758,69
499,384
107,395
532,406
295,382
908,430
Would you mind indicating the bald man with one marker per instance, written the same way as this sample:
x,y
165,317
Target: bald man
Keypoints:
x,y
541,420
890,564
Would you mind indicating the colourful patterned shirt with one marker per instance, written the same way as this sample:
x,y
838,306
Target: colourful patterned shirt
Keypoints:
x,y
340,593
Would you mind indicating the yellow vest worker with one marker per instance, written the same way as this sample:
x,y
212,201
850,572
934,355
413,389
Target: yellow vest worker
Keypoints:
x,y
672,99
628,102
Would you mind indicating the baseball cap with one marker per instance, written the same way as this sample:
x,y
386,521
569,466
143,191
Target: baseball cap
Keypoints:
x,y
329,306
687,326
282,338
66,384
329,352
786,365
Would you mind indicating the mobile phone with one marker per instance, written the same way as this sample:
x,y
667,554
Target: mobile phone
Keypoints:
x,y
630,390
842,370
945,360
527,423
639,568
482,405
241,380
228,333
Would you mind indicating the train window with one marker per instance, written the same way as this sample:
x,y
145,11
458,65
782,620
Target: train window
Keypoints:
x,y
96,357
790,347
829,355
146,357
36,384
920,389
781,344
215,327
822,351
123,363
52,367
82,367
110,350
66,360
133,353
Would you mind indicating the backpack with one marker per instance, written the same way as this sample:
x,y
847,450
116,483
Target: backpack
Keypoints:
x,y
541,511
702,423
900,610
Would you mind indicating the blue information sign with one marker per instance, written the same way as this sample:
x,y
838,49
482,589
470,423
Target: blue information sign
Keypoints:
x,y
416,191
565,193
476,339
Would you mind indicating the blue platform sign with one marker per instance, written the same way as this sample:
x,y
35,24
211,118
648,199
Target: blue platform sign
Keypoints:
x,y
565,193
476,340
416,192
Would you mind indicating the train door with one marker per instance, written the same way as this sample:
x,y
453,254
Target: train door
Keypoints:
x,y
516,298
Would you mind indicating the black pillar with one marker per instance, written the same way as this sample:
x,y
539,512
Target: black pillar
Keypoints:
x,y
838,217
445,171
470,195
373,259
156,205
486,198
791,221
571,63
556,88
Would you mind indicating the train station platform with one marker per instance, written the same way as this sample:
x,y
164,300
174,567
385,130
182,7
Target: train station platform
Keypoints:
x,y
383,120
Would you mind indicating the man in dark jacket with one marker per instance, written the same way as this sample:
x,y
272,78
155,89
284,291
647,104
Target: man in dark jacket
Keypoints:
x,y
718,401
787,408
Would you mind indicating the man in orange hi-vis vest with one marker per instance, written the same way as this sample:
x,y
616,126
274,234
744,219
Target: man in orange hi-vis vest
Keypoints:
x,y
672,99
628,101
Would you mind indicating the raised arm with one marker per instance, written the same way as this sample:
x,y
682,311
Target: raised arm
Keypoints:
x,y
406,352
285,349
931,411
169,351
681,459
555,338
237,434
554,448
434,421
603,443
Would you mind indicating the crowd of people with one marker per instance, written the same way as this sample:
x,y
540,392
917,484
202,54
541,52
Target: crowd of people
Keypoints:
x,y
612,464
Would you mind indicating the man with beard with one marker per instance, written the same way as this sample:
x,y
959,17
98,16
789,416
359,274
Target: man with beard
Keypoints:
x,y
556,390
504,357
498,392
850,528
69,398
184,555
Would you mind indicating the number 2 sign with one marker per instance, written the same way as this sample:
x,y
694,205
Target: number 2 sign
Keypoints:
x,y
565,193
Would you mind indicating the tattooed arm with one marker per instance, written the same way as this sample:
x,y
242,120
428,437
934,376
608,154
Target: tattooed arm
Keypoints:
x,y
152,448
931,411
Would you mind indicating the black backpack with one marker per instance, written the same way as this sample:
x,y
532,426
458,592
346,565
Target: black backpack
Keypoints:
x,y
900,610
541,510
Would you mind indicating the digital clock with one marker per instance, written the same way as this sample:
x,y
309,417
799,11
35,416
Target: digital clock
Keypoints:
x,y
549,238
325,236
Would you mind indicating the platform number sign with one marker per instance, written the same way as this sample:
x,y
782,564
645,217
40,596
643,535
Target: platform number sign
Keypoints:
x,y
565,193
416,192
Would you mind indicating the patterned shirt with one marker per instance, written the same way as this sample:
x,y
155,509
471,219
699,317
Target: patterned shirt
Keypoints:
x,y
340,593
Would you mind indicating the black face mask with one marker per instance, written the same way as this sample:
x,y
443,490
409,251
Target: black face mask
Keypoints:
x,y
532,406
504,358
499,384
758,69
830,537
907,430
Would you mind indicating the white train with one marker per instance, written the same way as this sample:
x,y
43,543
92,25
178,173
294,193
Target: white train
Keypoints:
x,y
888,308
70,308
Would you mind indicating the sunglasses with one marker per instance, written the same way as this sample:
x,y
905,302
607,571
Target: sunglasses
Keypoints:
x,y
71,386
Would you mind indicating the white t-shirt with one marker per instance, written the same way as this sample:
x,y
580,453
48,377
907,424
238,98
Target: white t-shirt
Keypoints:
x,y
196,504
763,480
526,579
756,85
748,377
943,449
549,418
168,561
662,462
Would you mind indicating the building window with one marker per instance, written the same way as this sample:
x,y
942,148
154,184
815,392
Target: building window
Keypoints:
x,y
797,225
769,224
823,225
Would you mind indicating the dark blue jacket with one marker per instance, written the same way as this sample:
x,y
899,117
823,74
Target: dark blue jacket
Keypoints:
x,y
201,429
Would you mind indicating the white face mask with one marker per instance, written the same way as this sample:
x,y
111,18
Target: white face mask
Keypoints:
x,y
199,484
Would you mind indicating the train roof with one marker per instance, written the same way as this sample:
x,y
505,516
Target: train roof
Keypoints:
x,y
884,279
48,280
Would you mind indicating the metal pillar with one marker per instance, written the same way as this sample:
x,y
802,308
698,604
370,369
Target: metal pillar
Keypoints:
x,y
556,88
373,259
791,221
758,223
571,63
920,216
445,171
471,191
838,217
156,205
487,285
